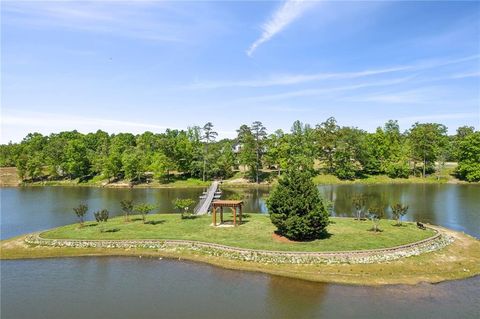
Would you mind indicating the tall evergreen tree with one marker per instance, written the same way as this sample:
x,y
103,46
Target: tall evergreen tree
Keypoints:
x,y
209,135
296,207
259,133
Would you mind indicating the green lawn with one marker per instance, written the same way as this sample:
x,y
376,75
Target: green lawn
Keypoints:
x,y
325,179
256,233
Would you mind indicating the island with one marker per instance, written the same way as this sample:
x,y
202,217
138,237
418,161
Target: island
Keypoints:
x,y
351,254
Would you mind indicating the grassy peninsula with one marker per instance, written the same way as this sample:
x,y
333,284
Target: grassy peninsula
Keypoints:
x,y
256,233
459,260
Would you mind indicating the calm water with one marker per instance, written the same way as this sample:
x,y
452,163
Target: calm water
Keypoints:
x,y
152,288
35,208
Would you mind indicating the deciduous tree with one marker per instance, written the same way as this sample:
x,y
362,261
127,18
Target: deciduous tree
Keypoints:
x,y
81,211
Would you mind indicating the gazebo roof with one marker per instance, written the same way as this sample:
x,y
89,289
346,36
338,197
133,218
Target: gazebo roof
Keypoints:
x,y
227,203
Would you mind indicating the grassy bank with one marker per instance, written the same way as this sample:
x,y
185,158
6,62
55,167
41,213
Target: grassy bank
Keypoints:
x,y
9,178
459,260
383,179
255,233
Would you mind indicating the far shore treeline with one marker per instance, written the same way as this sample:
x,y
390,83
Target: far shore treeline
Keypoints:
x,y
327,148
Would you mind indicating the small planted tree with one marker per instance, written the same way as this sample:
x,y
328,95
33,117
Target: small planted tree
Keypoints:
x,y
359,202
296,207
144,209
375,214
398,211
101,216
127,208
183,205
81,211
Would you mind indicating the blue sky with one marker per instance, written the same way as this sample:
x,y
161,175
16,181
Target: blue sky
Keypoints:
x,y
148,65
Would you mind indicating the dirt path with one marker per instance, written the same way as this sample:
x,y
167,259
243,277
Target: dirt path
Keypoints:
x,y
8,177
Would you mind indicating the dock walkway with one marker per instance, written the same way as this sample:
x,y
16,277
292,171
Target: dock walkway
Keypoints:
x,y
206,200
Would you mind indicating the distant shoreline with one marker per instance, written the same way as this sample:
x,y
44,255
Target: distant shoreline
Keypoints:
x,y
8,178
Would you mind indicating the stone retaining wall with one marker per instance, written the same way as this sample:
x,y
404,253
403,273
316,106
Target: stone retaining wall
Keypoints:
x,y
433,243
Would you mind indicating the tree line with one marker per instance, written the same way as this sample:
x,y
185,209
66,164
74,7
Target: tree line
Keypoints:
x,y
346,152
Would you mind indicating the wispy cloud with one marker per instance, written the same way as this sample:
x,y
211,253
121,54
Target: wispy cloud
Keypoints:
x,y
145,20
474,74
287,13
331,90
438,117
292,79
60,121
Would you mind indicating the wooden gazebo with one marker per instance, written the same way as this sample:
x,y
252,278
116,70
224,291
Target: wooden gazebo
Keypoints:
x,y
232,204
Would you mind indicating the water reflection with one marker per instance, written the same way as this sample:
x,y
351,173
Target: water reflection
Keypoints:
x,y
35,208
453,206
289,298
123,287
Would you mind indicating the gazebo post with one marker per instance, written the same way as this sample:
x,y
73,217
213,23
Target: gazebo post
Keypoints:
x,y
234,216
240,214
214,214
221,215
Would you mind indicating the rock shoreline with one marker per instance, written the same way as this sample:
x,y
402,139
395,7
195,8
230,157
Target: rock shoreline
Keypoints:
x,y
436,242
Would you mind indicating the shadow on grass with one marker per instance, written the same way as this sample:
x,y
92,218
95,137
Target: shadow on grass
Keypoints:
x,y
155,222
324,235
189,217
399,225
111,230
135,219
378,230
230,221
91,225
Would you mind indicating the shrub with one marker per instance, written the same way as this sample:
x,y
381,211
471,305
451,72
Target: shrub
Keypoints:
x,y
398,169
144,209
469,171
296,207
101,216
183,205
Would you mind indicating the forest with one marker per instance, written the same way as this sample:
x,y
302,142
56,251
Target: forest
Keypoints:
x,y
327,148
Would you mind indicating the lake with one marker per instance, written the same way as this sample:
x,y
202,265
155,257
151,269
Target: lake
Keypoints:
x,y
121,287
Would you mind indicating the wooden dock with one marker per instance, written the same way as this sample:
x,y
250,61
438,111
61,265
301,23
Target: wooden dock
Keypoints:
x,y
206,199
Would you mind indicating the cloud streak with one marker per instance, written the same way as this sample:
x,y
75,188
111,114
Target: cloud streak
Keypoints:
x,y
292,79
137,20
438,117
326,91
287,13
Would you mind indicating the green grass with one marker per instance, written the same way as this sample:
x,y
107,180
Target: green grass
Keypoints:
x,y
255,233
381,179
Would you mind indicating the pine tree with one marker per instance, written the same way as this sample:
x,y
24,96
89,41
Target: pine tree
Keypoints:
x,y
296,207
